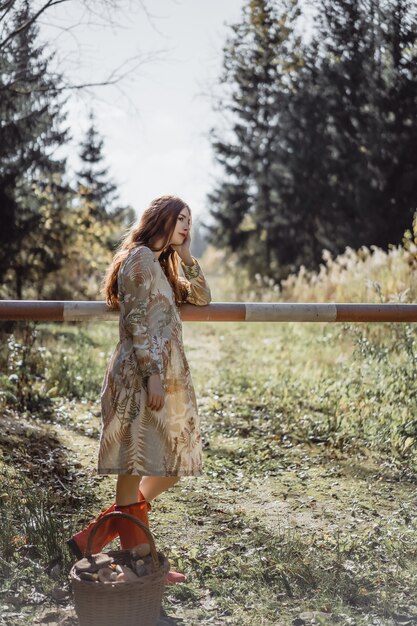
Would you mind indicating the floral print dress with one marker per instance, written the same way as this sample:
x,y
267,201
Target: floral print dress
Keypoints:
x,y
134,438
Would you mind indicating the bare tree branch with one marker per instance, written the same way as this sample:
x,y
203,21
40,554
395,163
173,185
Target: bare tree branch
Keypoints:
x,y
64,30
112,79
93,13
30,21
151,17
6,9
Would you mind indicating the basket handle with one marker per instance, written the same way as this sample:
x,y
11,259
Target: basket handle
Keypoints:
x,y
133,519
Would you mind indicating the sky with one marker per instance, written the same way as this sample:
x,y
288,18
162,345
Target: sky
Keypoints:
x,y
156,123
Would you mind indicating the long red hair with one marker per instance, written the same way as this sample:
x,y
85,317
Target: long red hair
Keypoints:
x,y
158,221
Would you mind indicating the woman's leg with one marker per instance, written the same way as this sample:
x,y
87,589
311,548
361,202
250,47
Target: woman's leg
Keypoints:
x,y
152,486
129,500
127,489
127,492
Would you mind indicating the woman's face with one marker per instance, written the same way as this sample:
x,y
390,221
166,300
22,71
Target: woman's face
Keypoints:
x,y
182,228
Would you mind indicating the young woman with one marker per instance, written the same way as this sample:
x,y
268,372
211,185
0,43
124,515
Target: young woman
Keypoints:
x,y
150,434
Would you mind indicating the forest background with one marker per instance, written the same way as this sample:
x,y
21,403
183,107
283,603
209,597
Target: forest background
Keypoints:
x,y
317,144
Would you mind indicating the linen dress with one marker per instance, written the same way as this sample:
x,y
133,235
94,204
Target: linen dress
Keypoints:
x,y
134,438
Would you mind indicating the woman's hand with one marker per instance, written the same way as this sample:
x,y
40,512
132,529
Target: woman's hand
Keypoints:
x,y
184,250
156,392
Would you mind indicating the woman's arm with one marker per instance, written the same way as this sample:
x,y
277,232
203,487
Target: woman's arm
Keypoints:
x,y
198,290
138,275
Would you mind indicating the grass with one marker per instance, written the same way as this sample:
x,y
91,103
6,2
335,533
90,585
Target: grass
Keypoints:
x,y
267,487
306,511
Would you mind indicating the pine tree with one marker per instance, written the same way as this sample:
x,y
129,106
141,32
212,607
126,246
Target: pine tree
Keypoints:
x,y
99,216
250,218
326,119
94,184
322,146
367,71
398,144
303,182
53,242
31,128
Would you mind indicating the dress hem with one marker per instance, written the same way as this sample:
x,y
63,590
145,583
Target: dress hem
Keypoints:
x,y
145,472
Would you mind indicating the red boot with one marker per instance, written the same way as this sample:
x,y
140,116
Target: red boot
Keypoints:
x,y
105,534
130,534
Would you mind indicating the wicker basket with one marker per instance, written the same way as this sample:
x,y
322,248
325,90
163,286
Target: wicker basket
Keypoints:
x,y
135,603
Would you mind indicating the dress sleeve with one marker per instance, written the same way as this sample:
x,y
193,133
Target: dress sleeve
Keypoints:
x,y
138,278
197,288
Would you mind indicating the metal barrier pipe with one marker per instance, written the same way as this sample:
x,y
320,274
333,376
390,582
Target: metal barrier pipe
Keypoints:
x,y
69,311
